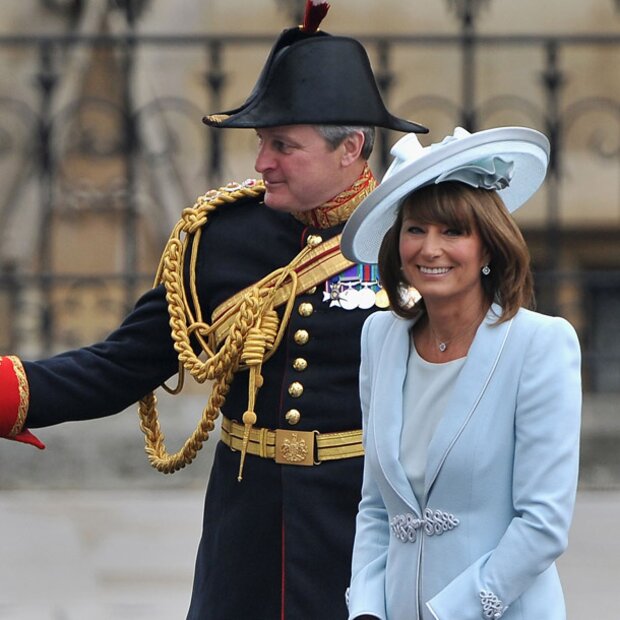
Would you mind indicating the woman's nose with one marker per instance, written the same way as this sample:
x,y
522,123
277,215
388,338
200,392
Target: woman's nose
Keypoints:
x,y
431,246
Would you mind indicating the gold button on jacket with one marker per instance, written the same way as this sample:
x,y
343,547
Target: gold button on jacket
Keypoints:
x,y
301,337
300,364
305,309
292,416
295,389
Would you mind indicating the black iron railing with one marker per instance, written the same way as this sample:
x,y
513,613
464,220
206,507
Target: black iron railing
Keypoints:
x,y
42,143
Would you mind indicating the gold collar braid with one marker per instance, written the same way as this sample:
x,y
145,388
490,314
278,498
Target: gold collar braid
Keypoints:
x,y
253,335
339,209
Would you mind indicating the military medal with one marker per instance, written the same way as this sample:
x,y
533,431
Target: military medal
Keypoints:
x,y
381,299
356,287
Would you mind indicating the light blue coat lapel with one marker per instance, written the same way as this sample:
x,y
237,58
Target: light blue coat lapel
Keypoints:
x,y
387,403
473,379
387,400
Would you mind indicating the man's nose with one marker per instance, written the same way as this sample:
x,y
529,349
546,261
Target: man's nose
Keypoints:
x,y
264,159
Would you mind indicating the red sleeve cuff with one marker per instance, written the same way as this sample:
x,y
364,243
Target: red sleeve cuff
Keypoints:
x,y
14,400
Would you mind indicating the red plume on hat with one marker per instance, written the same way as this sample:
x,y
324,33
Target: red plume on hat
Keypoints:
x,y
316,10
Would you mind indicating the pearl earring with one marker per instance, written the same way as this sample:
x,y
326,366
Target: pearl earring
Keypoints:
x,y
486,270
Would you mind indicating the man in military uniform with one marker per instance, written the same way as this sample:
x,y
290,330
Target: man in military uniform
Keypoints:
x,y
255,297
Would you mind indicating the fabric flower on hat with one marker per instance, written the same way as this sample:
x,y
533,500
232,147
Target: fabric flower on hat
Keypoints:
x,y
490,173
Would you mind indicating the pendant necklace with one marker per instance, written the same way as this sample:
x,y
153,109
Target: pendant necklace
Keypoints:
x,y
442,345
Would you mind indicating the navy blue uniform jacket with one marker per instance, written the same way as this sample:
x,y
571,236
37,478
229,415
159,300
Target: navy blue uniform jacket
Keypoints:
x,y
278,544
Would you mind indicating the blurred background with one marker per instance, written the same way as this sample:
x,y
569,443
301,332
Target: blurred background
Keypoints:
x,y
102,146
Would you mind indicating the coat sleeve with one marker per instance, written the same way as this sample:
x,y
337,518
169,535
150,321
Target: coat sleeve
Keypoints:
x,y
106,377
545,470
367,590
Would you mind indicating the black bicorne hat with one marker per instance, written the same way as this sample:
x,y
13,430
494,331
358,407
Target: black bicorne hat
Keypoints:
x,y
314,78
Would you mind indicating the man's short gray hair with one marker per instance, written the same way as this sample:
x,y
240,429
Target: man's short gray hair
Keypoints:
x,y
336,134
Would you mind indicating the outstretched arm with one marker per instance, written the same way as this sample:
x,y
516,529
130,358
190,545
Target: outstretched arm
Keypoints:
x,y
91,382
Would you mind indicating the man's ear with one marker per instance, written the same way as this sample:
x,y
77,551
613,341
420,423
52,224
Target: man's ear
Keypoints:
x,y
352,147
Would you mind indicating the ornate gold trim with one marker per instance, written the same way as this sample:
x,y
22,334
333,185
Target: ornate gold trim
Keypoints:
x,y
339,209
218,118
24,395
266,443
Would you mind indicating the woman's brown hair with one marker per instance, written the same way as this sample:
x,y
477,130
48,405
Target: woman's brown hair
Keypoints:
x,y
469,209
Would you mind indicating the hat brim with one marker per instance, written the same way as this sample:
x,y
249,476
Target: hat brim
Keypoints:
x,y
250,118
527,148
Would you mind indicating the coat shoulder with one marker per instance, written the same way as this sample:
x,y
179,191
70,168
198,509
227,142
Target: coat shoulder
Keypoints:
x,y
379,323
530,320
545,332
380,326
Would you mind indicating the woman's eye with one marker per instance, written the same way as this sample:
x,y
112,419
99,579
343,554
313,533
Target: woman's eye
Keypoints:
x,y
453,232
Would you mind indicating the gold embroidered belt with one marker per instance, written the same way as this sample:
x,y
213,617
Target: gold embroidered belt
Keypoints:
x,y
289,447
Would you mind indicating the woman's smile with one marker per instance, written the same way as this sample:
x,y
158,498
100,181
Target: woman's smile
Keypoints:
x,y
434,271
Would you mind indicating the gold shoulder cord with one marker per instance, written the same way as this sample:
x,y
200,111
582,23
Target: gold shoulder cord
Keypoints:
x,y
252,337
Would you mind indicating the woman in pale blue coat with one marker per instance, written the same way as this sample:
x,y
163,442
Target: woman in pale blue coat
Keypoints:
x,y
471,401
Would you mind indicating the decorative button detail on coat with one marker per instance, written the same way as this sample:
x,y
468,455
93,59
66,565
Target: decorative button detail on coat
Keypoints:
x,y
492,607
305,309
314,240
301,337
295,389
292,416
435,522
300,364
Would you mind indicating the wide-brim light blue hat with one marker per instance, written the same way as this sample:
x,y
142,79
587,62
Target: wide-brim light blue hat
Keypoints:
x,y
511,160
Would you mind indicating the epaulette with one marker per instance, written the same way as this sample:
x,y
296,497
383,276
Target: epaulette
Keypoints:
x,y
234,191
